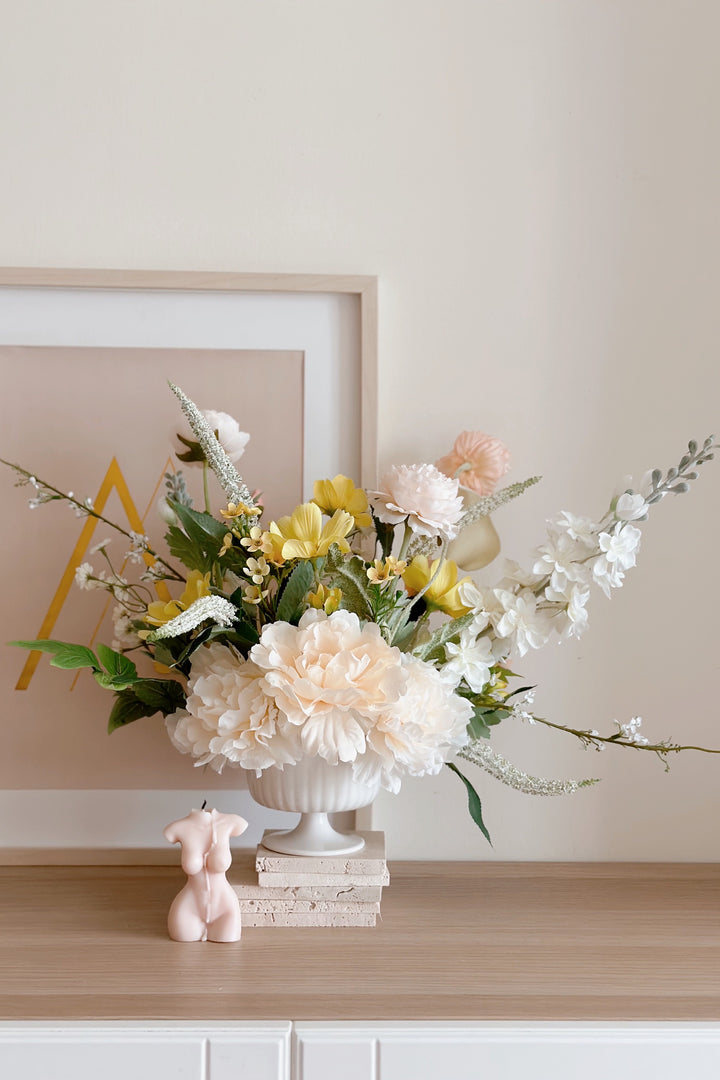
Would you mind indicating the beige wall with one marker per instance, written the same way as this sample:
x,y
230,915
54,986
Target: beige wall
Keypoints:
x,y
535,184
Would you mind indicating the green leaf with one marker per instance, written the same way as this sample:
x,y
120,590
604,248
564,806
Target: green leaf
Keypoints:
x,y
290,605
434,647
64,654
116,663
351,577
126,709
474,804
385,534
196,523
159,695
191,554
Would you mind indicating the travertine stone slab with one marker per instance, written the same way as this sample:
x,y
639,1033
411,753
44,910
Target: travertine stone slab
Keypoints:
x,y
369,860
327,907
244,880
287,880
308,919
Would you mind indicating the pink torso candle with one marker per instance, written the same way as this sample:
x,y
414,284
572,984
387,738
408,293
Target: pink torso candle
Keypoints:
x,y
207,908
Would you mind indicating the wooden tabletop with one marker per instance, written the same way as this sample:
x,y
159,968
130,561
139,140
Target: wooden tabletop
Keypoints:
x,y
457,941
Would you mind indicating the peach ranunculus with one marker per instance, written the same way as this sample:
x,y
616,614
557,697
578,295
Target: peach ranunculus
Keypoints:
x,y
420,731
330,676
229,719
423,496
477,460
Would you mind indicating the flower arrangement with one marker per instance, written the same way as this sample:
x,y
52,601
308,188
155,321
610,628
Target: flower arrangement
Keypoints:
x,y
347,630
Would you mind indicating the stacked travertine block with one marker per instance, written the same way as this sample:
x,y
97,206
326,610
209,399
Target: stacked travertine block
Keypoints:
x,y
298,890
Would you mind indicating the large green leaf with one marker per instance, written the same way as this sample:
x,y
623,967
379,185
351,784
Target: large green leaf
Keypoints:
x,y
64,653
474,804
126,709
116,663
290,606
196,523
145,698
191,554
350,576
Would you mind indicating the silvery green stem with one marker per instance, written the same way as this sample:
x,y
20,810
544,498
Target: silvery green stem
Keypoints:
x,y
488,504
479,753
235,489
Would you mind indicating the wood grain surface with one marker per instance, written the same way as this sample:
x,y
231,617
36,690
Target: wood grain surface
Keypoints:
x,y
457,941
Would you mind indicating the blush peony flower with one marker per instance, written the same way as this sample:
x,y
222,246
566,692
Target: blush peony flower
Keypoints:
x,y
229,719
330,677
420,731
479,461
421,494
230,437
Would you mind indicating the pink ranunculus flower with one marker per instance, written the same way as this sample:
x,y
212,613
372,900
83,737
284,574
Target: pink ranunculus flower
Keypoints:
x,y
330,676
427,498
228,718
483,460
230,437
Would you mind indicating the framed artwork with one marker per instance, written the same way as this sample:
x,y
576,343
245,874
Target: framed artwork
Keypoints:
x,y
85,358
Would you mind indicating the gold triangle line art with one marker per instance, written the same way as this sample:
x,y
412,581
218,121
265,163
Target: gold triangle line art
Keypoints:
x,y
168,467
113,480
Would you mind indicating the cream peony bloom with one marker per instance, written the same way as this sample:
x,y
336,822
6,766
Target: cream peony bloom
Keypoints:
x,y
422,495
229,719
330,677
425,727
230,437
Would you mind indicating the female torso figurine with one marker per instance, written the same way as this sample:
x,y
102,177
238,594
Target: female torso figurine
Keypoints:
x,y
207,908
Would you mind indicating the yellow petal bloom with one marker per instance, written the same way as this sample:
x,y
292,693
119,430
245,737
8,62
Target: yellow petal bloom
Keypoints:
x,y
327,599
444,593
305,537
159,612
341,494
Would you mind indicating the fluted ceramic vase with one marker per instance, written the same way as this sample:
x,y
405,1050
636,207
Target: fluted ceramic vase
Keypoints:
x,y
312,788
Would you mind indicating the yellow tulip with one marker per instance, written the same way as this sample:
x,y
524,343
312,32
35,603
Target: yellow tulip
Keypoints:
x,y
341,494
305,537
444,593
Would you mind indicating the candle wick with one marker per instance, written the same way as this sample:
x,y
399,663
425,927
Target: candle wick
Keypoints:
x,y
204,804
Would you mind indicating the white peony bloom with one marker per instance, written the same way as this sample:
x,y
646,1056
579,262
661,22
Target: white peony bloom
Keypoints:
x,y
331,677
230,437
522,623
420,731
471,659
423,495
228,717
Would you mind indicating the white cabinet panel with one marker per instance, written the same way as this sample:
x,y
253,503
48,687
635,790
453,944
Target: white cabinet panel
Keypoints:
x,y
250,1056
81,1058
436,1051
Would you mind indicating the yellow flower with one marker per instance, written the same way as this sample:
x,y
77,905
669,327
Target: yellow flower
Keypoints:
x,y
197,585
268,543
443,594
241,509
327,599
305,537
380,571
341,494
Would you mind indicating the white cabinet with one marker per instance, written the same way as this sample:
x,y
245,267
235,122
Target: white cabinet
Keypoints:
x,y
507,1051
152,1051
357,1051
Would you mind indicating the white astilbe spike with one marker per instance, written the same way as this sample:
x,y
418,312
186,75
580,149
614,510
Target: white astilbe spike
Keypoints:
x,y
488,504
234,487
217,608
479,753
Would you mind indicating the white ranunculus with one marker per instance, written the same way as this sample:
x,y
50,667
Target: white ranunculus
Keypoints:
x,y
330,676
228,718
423,495
230,437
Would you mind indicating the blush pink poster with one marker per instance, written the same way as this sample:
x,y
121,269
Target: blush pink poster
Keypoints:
x,y
65,414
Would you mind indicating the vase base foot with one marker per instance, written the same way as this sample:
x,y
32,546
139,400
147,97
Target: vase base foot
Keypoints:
x,y
314,836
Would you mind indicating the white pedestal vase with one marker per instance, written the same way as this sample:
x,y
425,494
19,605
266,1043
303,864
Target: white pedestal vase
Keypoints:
x,y
313,788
